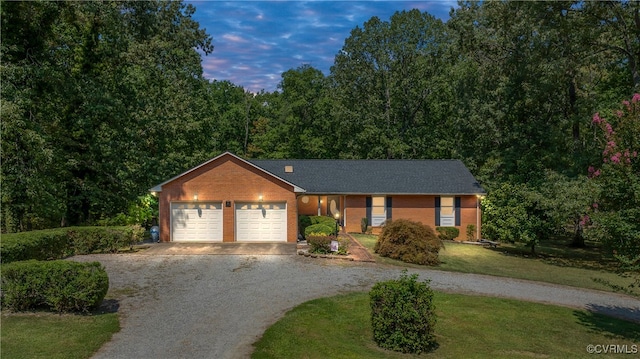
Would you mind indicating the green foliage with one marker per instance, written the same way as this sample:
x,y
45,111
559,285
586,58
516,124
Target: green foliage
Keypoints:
x,y
39,245
303,223
409,241
101,100
328,221
364,224
403,314
511,213
471,232
61,286
141,212
447,233
63,242
564,202
321,225
615,212
320,243
319,229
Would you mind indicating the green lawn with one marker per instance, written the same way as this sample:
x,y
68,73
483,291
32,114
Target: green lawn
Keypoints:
x,y
468,326
555,262
49,335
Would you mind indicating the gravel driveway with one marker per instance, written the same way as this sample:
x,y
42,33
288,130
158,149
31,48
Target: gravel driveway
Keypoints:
x,y
216,306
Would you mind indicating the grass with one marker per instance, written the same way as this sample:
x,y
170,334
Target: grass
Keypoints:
x,y
468,326
555,262
49,335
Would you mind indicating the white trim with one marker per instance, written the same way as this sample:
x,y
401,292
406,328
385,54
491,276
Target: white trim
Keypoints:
x,y
158,188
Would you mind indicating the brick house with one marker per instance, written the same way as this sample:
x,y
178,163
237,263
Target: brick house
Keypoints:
x,y
230,199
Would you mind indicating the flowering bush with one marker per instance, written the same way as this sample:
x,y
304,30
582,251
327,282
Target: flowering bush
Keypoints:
x,y
613,218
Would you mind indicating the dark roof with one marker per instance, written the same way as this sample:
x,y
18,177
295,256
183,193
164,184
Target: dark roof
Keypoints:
x,y
376,176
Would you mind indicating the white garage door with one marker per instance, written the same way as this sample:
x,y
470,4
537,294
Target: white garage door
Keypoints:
x,y
257,222
196,222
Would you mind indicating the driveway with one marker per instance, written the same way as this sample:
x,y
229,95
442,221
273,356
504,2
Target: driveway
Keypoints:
x,y
211,306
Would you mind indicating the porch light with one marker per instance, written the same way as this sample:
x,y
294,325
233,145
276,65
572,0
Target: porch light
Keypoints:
x,y
260,198
195,196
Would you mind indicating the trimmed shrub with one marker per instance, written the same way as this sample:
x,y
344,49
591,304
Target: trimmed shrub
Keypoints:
x,y
40,245
303,223
320,229
403,314
61,286
329,221
63,242
409,241
364,224
447,233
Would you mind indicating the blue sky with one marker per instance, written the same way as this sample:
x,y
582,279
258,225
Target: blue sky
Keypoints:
x,y
256,41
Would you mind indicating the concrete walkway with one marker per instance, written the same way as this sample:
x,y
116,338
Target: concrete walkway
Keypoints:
x,y
208,306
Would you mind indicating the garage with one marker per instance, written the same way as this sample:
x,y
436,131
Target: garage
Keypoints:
x,y
196,222
261,222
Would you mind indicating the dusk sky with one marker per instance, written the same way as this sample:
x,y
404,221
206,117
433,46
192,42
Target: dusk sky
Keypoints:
x,y
256,41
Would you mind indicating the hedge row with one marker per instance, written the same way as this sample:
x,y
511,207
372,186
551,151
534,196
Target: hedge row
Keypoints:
x,y
61,286
63,242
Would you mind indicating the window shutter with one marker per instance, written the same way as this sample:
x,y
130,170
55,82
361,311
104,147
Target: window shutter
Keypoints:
x,y
457,204
437,211
369,210
388,207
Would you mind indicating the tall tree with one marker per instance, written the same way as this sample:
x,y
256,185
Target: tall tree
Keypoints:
x,y
385,76
111,92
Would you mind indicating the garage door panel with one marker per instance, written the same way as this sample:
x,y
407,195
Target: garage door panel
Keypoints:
x,y
196,222
261,222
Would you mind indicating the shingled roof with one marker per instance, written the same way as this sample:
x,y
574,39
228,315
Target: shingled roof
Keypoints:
x,y
375,176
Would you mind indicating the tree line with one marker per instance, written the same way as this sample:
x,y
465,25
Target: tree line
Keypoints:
x,y
102,100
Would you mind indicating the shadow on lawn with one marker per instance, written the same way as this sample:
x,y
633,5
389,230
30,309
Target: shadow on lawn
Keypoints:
x,y
598,319
560,253
108,306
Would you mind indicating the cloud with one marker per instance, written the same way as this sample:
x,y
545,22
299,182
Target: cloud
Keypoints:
x,y
255,41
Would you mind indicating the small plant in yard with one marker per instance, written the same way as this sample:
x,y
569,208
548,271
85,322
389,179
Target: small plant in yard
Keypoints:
x,y
403,314
447,233
471,232
409,241
320,243
364,224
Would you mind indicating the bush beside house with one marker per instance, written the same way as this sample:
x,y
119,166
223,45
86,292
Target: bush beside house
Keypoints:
x,y
317,225
447,233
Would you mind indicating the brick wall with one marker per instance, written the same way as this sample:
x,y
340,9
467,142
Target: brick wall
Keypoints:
x,y
227,179
415,208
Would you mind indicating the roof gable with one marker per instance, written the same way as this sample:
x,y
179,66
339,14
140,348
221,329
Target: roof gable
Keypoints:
x,y
158,188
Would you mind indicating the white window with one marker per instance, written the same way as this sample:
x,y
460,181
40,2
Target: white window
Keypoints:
x,y
378,211
447,212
